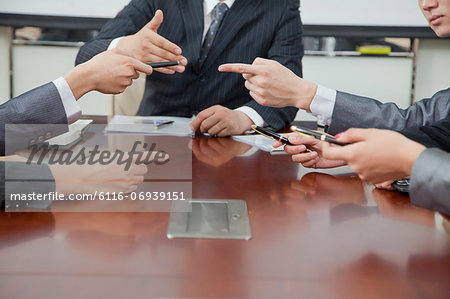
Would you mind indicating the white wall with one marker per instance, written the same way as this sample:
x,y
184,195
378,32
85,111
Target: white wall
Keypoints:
x,y
323,12
433,67
387,79
37,65
77,8
362,12
4,64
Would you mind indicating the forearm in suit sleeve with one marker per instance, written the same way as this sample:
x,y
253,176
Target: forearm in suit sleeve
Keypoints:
x,y
351,111
287,49
129,21
41,105
23,178
430,181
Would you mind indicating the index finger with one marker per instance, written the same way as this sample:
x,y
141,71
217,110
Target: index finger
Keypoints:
x,y
298,139
240,68
142,67
165,44
277,144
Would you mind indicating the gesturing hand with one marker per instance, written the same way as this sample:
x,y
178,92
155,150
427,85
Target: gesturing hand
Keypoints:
x,y
110,72
308,152
148,46
272,84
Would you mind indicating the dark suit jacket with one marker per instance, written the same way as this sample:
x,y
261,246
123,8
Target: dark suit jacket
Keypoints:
x,y
256,28
41,105
432,135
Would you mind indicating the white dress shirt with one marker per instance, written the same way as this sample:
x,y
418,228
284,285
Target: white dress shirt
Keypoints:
x,y
71,107
208,8
322,105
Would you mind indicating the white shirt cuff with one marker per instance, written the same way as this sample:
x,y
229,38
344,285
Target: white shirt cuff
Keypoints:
x,y
73,110
114,43
253,115
322,105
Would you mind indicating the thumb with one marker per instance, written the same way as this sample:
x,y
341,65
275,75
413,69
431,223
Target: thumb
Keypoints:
x,y
156,21
261,61
353,135
335,152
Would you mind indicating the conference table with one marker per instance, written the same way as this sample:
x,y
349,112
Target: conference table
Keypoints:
x,y
314,235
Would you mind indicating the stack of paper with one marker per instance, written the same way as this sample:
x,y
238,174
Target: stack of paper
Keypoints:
x,y
148,125
72,136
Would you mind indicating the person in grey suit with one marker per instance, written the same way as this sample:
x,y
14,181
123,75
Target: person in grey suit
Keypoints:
x,y
56,102
375,155
210,33
374,161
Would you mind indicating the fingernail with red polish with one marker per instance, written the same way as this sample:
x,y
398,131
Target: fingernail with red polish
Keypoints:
x,y
337,136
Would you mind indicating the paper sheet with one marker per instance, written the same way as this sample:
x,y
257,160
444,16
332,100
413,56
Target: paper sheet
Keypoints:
x,y
121,124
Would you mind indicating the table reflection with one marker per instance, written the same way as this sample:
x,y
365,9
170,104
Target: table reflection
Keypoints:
x,y
217,151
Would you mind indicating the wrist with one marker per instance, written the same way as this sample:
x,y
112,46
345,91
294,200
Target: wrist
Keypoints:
x,y
246,121
306,94
79,81
126,44
413,152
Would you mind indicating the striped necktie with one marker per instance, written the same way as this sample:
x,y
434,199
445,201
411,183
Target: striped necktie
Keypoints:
x,y
219,13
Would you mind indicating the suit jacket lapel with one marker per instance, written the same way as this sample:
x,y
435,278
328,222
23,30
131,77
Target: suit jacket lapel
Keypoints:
x,y
192,12
237,17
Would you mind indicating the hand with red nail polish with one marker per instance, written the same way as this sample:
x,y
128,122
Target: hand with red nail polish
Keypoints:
x,y
375,155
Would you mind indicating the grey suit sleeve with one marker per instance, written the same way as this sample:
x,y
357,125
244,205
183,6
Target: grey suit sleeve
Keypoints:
x,y
42,105
351,111
129,21
430,181
21,178
287,49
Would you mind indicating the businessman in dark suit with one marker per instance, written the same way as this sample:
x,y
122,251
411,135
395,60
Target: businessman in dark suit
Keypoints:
x,y
210,32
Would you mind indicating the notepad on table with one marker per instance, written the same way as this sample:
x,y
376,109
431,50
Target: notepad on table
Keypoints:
x,y
74,135
149,125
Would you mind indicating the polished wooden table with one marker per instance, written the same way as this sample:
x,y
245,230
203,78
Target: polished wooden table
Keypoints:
x,y
314,236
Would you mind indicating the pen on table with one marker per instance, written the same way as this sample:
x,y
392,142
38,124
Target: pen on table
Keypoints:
x,y
156,65
164,123
270,134
144,121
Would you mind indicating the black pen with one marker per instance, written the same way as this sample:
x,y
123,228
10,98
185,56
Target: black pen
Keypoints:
x,y
271,134
163,123
316,134
156,65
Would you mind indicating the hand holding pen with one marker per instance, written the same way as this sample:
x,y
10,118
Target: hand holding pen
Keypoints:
x,y
307,151
270,134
